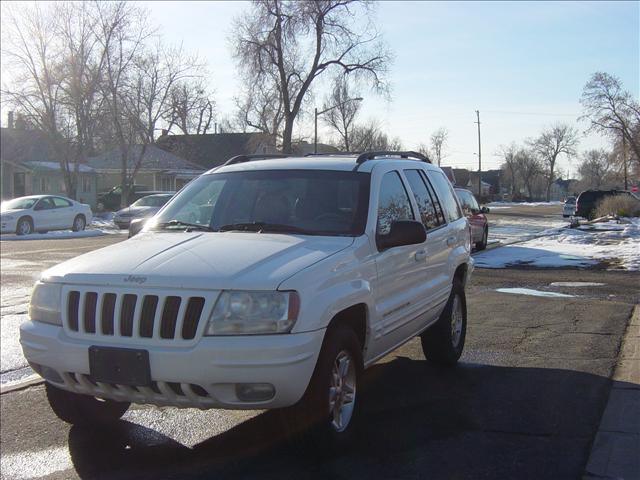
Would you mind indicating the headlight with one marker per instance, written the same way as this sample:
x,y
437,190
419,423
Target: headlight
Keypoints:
x,y
45,303
253,313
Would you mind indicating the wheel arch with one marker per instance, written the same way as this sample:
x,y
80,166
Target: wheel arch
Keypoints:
x,y
355,317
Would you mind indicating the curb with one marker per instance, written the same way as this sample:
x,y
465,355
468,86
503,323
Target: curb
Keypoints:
x,y
614,452
21,384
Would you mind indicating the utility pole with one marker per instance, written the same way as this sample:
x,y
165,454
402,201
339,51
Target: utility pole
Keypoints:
x,y
315,134
479,157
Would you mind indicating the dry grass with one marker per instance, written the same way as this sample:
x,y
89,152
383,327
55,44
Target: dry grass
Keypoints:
x,y
619,205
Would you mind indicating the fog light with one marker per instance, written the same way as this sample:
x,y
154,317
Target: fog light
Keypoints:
x,y
255,392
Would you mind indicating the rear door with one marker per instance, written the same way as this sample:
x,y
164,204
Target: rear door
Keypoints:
x,y
64,212
456,235
434,274
44,214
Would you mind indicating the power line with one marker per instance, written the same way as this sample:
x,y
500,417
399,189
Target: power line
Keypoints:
x,y
504,112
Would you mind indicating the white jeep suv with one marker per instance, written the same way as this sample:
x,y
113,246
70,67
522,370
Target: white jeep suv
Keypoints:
x,y
264,283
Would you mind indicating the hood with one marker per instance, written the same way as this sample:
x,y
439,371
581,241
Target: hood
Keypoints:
x,y
14,212
208,260
136,211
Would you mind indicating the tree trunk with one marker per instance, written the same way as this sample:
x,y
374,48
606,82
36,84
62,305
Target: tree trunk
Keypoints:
x,y
287,133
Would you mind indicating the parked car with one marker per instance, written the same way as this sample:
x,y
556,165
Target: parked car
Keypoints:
x,y
111,200
476,216
41,213
306,271
143,208
588,201
569,207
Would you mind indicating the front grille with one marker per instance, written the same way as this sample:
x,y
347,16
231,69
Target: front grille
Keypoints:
x,y
134,315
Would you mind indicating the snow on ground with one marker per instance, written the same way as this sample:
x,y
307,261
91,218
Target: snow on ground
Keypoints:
x,y
522,204
534,293
576,284
508,230
611,242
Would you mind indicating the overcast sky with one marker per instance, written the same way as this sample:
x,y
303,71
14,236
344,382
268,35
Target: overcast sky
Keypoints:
x,y
522,64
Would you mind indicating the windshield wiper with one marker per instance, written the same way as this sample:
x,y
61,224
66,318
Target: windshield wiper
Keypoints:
x,y
264,227
189,226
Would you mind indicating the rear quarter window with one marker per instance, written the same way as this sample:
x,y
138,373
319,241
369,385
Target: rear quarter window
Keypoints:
x,y
446,195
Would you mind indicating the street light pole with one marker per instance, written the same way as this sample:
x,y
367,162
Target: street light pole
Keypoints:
x,y
479,157
317,114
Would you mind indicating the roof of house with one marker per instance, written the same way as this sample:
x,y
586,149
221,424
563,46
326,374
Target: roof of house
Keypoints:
x,y
22,145
154,158
213,149
303,148
54,167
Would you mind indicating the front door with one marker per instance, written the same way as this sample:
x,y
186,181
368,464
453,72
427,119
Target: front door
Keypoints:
x,y
19,189
399,269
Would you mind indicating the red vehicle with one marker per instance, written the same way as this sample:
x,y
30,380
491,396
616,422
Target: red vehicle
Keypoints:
x,y
476,216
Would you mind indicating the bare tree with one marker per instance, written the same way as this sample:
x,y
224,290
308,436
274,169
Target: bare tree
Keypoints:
x,y
438,143
510,165
289,44
557,140
192,107
341,110
261,108
369,137
595,167
529,168
612,110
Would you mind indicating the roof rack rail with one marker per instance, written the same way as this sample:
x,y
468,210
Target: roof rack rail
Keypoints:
x,y
331,154
258,156
363,157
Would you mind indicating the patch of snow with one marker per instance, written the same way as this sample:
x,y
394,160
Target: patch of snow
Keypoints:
x,y
576,284
523,204
571,248
534,293
507,230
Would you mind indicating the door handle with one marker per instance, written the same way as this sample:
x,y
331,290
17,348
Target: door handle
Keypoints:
x,y
451,241
421,255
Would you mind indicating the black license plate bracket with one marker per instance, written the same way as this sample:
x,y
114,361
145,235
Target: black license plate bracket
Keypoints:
x,y
124,366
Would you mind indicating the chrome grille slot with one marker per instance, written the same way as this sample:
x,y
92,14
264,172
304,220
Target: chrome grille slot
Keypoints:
x,y
191,317
136,317
73,307
149,306
89,314
170,317
108,311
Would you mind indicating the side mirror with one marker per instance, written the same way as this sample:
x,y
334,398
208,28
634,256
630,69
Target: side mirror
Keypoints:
x,y
484,210
404,232
136,225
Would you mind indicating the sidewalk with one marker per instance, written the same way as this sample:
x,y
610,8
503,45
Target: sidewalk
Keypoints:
x,y
615,453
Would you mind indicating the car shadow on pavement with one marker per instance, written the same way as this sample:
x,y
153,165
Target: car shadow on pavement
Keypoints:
x,y
473,421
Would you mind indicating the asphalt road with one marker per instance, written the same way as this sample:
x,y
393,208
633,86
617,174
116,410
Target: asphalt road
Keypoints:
x,y
525,402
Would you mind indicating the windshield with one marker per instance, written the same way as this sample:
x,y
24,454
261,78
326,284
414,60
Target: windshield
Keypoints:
x,y
571,201
312,202
19,203
152,201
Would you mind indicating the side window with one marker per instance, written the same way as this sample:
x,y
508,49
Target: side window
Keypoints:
x,y
393,204
474,203
465,202
445,193
61,202
44,204
425,203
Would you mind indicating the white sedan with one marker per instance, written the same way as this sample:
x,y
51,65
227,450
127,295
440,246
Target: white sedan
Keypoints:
x,y
40,213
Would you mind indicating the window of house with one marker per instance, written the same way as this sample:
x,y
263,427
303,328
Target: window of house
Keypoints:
x,y
166,184
393,204
426,204
44,184
86,184
446,194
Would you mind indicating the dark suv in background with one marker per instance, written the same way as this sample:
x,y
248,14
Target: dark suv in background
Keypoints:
x,y
588,201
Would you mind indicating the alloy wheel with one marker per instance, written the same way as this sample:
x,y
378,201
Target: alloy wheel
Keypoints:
x,y
342,391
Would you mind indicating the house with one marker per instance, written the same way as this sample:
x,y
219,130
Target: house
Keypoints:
x,y
461,176
213,149
30,166
448,171
490,182
561,189
158,169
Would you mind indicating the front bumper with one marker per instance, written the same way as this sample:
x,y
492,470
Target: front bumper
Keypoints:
x,y
201,376
8,226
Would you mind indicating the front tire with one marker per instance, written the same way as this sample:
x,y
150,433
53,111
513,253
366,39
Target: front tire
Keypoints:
x,y
79,409
443,343
327,414
24,226
79,223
